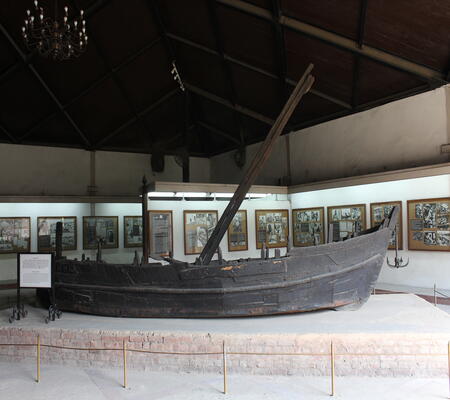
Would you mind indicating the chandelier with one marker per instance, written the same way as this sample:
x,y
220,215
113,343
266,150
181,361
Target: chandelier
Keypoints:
x,y
54,38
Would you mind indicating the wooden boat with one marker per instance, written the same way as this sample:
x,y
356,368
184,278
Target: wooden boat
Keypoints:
x,y
327,276
309,278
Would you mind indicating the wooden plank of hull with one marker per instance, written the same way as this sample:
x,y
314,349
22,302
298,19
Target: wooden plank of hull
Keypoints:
x,y
327,276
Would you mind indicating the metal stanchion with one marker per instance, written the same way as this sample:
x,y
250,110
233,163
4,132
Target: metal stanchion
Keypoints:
x,y
332,368
38,359
448,355
124,365
224,359
434,294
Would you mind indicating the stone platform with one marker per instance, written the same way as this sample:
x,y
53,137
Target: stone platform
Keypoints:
x,y
391,335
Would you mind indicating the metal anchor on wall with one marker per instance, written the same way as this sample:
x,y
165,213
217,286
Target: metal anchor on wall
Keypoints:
x,y
398,261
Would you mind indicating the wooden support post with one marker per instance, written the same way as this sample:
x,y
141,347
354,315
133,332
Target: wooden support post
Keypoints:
x,y
124,365
448,355
145,231
38,359
332,368
224,359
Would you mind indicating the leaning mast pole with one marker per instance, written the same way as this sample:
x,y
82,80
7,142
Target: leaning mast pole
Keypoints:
x,y
302,87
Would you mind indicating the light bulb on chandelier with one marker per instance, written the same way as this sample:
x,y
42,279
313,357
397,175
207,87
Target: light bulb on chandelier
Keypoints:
x,y
60,40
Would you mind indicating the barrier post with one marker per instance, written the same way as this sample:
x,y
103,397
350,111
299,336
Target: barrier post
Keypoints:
x,y
224,360
448,355
434,294
124,364
332,368
38,359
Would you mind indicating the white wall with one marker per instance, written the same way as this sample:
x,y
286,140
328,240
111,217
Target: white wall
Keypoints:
x,y
8,264
425,267
401,134
38,170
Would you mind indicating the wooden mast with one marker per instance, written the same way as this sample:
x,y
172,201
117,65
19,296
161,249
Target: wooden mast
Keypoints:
x,y
303,86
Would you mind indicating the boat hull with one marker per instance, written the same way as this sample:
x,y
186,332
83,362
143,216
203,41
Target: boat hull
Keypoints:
x,y
322,277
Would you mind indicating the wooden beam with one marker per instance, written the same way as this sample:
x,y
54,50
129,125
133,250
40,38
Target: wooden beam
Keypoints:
x,y
334,39
45,86
10,136
133,119
228,104
251,67
304,84
219,132
95,84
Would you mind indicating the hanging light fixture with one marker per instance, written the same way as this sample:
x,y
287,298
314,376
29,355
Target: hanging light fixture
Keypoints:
x,y
53,38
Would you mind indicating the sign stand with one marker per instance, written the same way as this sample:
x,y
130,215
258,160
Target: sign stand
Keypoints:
x,y
35,271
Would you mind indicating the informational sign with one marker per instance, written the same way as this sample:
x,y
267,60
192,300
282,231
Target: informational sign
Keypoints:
x,y
35,270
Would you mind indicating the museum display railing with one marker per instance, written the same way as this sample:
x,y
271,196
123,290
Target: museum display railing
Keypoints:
x,y
435,293
329,352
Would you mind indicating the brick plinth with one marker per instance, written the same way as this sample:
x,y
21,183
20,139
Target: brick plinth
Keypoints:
x,y
383,354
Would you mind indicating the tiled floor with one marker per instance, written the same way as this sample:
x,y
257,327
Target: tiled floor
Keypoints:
x,y
17,382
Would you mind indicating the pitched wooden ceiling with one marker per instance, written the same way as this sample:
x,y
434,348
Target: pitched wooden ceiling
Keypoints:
x,y
238,60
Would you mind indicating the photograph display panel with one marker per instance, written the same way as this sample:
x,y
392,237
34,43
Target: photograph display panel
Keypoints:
x,y
272,228
346,220
428,224
198,227
308,226
100,228
380,211
238,233
132,230
14,234
161,232
47,233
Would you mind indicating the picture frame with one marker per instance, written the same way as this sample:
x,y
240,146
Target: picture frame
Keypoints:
x,y
429,224
198,227
46,233
160,225
132,231
100,227
346,220
308,226
15,234
381,210
238,232
272,228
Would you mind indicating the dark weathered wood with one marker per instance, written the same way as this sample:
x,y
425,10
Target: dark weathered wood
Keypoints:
x,y
258,162
334,275
145,241
58,240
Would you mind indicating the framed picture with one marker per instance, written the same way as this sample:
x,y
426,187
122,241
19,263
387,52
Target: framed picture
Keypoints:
x,y
46,230
428,224
380,211
238,232
272,228
160,232
14,234
346,220
198,227
308,226
132,231
104,228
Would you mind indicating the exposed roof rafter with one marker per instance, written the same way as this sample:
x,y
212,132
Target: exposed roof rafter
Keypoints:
x,y
134,119
255,69
45,86
219,132
381,56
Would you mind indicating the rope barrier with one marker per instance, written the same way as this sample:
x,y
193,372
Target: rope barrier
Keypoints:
x,y
234,353
331,354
